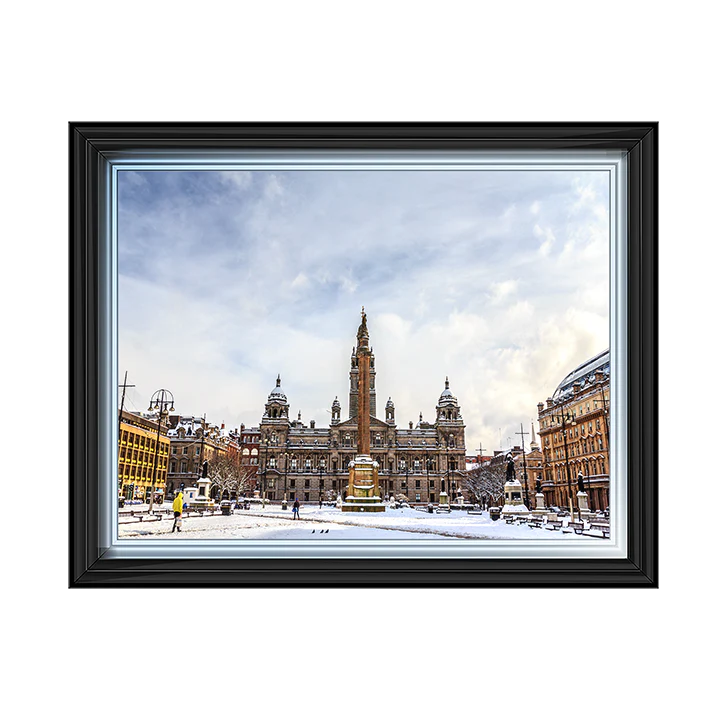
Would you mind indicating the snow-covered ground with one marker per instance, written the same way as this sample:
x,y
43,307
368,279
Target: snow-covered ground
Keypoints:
x,y
329,523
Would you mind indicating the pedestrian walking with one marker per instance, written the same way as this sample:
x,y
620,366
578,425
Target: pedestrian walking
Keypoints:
x,y
177,511
319,501
296,509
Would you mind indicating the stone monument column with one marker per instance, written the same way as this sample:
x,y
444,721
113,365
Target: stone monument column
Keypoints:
x,y
364,357
363,492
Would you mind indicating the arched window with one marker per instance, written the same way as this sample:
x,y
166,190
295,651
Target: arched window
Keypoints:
x,y
307,463
293,463
274,413
272,462
416,463
246,451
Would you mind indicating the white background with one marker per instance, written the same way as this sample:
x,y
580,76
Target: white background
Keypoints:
x,y
510,654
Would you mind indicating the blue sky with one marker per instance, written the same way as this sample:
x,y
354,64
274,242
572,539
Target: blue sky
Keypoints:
x,y
497,279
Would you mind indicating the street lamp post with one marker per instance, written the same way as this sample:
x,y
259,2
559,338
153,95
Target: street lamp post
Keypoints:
x,y
428,461
199,470
587,471
605,420
564,419
604,403
162,400
286,456
406,477
321,478
522,433
263,471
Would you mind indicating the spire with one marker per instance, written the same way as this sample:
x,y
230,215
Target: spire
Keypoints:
x,y
446,382
278,380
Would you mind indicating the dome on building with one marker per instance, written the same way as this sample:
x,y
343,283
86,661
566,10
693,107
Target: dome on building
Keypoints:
x,y
446,397
277,393
584,374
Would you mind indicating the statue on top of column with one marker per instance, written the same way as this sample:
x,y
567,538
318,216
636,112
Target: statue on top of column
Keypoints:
x,y
362,334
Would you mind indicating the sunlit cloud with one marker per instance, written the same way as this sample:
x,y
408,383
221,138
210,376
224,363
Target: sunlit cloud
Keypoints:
x,y
498,280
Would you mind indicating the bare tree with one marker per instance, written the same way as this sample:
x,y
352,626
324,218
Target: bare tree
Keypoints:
x,y
485,483
229,474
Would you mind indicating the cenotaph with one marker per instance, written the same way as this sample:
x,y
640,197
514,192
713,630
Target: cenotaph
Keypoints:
x,y
363,493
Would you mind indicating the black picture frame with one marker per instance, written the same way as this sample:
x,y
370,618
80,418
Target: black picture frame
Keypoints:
x,y
90,146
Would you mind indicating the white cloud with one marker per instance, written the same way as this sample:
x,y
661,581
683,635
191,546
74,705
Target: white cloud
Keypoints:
x,y
228,280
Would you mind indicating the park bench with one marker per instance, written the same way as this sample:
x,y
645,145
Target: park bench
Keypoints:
x,y
535,523
509,520
553,525
156,516
602,526
444,510
474,512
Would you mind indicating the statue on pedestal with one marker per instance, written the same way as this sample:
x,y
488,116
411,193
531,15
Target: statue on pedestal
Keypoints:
x,y
580,482
510,474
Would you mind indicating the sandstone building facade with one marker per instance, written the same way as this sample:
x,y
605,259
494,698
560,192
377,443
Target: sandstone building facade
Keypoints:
x,y
310,463
574,435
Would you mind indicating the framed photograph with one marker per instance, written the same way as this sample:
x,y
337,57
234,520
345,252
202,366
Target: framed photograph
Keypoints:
x,y
363,354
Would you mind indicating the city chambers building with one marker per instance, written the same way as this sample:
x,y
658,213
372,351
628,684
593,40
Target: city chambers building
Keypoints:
x,y
311,463
574,435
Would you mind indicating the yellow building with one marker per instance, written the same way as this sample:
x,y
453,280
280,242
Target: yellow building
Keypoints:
x,y
137,456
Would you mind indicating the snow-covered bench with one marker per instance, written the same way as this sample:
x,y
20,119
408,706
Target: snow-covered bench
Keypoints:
x,y
603,527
